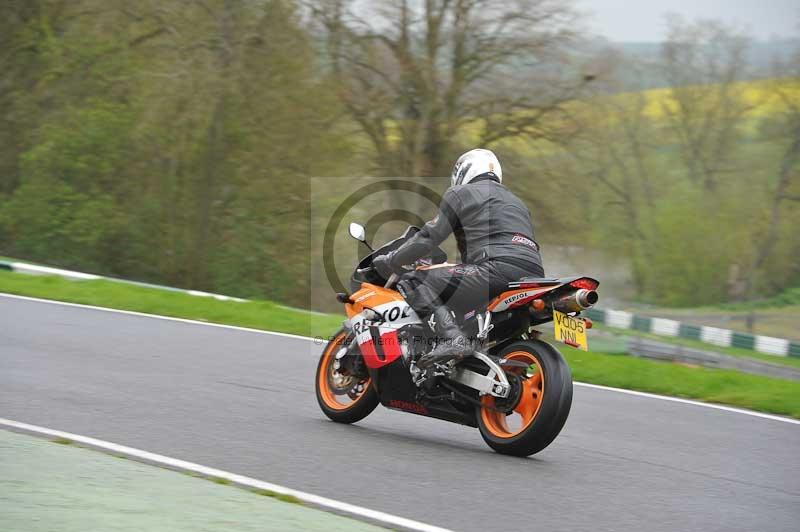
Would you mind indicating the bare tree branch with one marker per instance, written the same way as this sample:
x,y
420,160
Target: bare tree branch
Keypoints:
x,y
445,64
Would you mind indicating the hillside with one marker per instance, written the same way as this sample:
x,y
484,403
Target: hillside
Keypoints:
x,y
640,68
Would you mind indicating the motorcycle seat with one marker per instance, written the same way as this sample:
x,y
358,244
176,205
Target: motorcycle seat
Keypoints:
x,y
537,282
519,292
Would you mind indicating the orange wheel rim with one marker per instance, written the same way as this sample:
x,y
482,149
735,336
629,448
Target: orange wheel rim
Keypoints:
x,y
504,425
327,375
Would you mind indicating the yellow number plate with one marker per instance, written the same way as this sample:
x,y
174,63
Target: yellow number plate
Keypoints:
x,y
571,331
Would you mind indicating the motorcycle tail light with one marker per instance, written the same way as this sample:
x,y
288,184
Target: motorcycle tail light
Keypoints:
x,y
584,282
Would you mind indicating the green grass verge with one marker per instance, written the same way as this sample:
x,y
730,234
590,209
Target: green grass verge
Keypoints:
x,y
789,297
793,362
280,496
756,392
729,387
255,314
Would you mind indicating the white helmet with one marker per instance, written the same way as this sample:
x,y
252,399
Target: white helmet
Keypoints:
x,y
474,163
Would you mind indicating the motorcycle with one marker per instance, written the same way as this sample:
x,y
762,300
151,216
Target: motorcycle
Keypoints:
x,y
514,387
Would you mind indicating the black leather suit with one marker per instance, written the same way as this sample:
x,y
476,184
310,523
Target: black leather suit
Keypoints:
x,y
495,237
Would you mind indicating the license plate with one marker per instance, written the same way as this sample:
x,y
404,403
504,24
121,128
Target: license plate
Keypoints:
x,y
570,330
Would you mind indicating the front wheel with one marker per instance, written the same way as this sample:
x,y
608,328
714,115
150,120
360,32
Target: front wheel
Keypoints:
x,y
343,398
545,397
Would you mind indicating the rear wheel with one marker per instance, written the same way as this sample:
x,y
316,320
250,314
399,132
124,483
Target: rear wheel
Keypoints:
x,y
545,397
343,398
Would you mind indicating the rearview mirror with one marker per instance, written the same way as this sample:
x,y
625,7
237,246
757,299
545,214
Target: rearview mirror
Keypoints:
x,y
357,231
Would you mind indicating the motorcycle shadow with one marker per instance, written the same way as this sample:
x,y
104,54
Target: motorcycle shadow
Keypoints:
x,y
387,440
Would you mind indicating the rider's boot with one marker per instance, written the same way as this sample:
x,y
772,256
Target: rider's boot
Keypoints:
x,y
453,345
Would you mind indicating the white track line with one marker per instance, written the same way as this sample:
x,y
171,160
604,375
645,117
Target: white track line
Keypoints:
x,y
157,316
298,337
182,465
690,402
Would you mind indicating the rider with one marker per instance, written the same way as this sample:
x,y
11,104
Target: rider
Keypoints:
x,y
495,238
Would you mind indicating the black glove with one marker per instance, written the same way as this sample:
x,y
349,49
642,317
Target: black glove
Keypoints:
x,y
383,265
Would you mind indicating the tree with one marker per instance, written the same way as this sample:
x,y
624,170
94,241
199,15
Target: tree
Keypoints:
x,y
704,63
682,183
616,153
425,78
169,141
784,188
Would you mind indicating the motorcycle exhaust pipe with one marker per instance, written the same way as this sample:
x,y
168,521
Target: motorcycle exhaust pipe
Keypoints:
x,y
577,301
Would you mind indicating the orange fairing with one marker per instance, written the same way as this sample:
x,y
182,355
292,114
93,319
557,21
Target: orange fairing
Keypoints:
x,y
371,295
516,298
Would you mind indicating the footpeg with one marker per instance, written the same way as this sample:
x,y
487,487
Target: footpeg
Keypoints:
x,y
485,325
420,376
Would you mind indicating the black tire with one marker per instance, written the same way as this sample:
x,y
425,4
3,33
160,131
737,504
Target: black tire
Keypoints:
x,y
553,409
355,411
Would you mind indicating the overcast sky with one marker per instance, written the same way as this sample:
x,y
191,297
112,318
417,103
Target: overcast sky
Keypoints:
x,y
643,20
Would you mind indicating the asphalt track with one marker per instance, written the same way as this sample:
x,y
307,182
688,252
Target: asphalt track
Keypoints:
x,y
244,402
